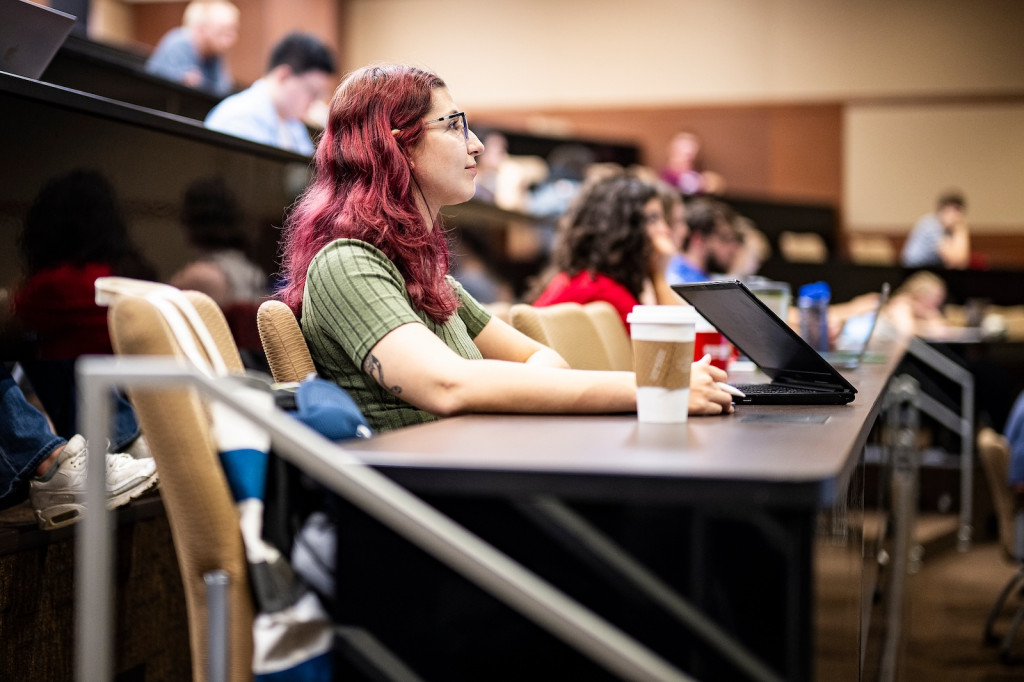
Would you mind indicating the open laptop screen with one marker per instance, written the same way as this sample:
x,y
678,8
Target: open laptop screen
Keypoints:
x,y
761,335
30,35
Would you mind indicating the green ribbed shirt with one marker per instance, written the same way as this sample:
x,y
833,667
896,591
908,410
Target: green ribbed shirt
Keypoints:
x,y
354,296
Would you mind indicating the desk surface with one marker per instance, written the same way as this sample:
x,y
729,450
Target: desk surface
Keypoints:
x,y
787,456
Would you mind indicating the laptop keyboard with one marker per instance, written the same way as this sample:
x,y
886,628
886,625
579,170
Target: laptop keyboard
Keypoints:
x,y
772,388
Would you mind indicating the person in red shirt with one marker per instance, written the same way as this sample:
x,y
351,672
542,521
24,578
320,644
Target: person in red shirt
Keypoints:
x,y
613,245
73,233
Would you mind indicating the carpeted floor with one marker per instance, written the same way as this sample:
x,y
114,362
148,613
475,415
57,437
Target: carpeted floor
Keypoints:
x,y
949,600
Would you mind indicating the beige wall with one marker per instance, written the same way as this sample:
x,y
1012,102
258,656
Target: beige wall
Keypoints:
x,y
929,92
565,52
912,76
897,158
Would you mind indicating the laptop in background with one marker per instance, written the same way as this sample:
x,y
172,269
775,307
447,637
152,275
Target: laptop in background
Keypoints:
x,y
30,36
852,358
799,375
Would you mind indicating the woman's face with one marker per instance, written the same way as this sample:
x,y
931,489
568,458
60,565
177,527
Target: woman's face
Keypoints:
x,y
677,225
658,232
444,160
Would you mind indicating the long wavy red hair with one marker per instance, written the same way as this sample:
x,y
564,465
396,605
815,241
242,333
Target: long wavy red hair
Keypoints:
x,y
362,187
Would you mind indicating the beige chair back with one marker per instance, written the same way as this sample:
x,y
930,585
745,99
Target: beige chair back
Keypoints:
x,y
199,505
566,328
868,249
803,247
283,342
613,334
994,453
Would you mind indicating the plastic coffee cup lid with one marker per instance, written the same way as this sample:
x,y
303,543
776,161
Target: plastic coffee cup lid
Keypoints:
x,y
662,314
702,325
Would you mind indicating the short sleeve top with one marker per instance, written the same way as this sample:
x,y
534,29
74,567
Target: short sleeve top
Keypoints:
x,y
585,287
354,296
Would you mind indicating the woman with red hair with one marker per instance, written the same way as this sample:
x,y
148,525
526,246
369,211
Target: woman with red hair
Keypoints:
x,y
366,264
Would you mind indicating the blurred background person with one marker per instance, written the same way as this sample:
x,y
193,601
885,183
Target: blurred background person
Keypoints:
x,y
612,245
940,239
73,233
683,169
222,266
754,249
194,53
567,168
711,245
273,110
915,308
675,213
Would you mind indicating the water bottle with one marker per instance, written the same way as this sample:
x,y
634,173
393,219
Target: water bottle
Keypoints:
x,y
812,300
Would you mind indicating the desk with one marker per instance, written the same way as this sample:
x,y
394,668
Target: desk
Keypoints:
x,y
766,475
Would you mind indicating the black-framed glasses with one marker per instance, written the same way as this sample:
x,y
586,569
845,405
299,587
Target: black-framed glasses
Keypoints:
x,y
452,117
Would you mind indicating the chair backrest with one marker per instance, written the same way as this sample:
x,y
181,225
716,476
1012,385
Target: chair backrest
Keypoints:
x,y
617,344
994,453
200,507
869,249
567,329
803,247
283,342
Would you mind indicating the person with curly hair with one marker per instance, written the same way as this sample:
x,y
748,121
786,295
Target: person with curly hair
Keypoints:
x,y
366,262
613,245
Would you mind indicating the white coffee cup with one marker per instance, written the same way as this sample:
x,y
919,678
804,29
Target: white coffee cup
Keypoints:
x,y
663,338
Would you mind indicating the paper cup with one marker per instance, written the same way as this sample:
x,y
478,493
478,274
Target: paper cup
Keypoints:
x,y
663,338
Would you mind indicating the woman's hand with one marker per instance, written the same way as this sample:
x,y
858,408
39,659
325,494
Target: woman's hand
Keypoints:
x,y
706,396
662,250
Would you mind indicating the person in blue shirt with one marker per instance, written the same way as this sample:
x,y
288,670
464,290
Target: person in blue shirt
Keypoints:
x,y
710,246
272,110
193,53
940,239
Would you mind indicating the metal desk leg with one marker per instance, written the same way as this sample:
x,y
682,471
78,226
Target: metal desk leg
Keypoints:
x,y
902,421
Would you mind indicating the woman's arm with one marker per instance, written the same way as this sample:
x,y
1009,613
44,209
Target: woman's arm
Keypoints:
x,y
500,341
662,250
412,362
955,246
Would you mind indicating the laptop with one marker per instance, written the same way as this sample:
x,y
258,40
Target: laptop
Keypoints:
x,y
853,357
30,36
799,375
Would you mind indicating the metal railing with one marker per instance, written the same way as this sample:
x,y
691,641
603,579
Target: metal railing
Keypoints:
x,y
347,476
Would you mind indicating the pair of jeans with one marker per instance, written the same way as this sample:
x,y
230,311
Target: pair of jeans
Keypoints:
x,y
26,438
25,441
54,382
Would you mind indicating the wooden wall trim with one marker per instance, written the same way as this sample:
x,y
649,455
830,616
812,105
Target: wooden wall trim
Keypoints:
x,y
998,249
789,152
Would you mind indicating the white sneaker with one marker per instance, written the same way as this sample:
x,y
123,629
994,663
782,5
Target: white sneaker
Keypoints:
x,y
60,501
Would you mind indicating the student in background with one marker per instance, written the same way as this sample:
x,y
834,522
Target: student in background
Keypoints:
x,y
915,308
272,110
684,170
222,267
612,245
940,239
754,249
711,245
193,53
73,233
366,261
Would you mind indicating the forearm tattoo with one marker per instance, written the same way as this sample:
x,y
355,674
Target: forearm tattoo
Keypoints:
x,y
373,367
